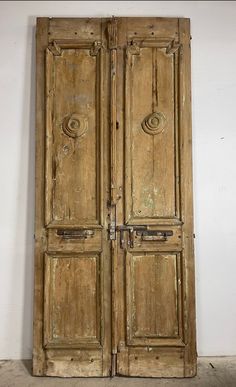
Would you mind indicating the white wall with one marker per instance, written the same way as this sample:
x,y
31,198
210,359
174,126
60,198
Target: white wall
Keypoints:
x,y
214,142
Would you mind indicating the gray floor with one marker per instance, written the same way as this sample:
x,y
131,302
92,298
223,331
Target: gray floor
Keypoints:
x,y
212,372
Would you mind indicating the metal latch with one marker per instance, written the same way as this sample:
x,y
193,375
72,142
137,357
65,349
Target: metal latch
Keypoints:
x,y
140,230
75,234
130,230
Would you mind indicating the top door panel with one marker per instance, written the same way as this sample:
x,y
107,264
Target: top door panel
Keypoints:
x,y
73,185
151,129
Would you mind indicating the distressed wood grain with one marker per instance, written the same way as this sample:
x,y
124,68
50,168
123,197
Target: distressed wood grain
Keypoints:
x,y
114,258
158,195
72,267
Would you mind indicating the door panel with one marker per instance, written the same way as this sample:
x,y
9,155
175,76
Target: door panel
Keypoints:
x,y
114,264
152,287
73,135
72,288
151,130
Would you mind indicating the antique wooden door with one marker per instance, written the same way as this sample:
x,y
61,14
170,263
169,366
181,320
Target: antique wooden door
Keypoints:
x,y
114,266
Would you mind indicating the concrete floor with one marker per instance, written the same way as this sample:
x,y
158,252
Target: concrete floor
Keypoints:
x,y
212,372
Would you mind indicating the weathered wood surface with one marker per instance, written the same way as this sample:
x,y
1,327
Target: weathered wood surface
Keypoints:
x,y
73,301
114,145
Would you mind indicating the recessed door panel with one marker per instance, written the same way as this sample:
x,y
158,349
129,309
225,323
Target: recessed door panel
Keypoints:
x,y
73,135
153,298
151,127
72,301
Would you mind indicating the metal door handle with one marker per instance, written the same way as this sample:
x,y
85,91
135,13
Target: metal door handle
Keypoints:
x,y
155,235
75,234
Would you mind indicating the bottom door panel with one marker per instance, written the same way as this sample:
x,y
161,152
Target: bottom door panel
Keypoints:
x,y
72,301
153,344
72,315
153,298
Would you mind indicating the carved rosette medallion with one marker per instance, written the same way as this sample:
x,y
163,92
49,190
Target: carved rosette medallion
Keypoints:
x,y
75,125
154,123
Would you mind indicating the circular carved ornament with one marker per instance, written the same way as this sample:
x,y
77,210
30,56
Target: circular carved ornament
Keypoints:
x,y
154,123
75,125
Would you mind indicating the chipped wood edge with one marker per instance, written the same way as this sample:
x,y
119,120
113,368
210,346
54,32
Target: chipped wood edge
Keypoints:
x,y
187,199
105,157
41,44
112,47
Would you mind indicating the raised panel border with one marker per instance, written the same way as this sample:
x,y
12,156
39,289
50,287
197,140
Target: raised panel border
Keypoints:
x,y
154,341
173,47
90,342
55,49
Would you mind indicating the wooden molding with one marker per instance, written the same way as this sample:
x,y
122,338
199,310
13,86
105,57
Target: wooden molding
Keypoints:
x,y
55,48
112,34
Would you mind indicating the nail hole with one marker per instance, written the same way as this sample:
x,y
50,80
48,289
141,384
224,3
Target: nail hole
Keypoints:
x,y
135,33
91,360
75,33
91,33
157,357
72,359
136,357
152,33
49,33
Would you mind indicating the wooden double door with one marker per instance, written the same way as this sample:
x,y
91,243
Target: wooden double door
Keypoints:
x,y
114,267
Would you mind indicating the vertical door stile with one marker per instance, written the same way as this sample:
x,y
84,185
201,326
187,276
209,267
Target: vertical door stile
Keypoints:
x,y
112,45
187,199
38,350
